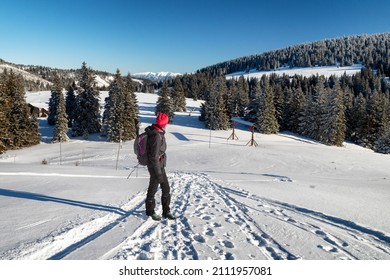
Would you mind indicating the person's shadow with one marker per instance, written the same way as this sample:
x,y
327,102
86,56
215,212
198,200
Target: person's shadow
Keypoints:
x,y
41,197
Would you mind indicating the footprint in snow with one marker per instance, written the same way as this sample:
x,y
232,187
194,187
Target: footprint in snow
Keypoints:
x,y
320,232
291,220
228,244
206,217
209,232
229,256
230,220
328,248
199,238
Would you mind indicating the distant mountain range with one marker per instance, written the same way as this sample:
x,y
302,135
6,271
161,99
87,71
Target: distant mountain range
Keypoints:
x,y
153,76
41,77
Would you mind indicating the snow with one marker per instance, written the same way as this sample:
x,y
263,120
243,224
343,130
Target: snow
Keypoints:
x,y
26,75
100,82
156,76
288,198
326,71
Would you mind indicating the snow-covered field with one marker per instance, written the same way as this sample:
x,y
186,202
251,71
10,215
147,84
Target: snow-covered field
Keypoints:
x,y
288,198
326,71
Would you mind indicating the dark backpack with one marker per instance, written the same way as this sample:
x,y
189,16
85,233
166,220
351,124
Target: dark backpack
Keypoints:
x,y
140,151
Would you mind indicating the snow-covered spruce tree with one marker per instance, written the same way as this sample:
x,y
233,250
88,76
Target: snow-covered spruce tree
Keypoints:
x,y
112,126
131,111
348,103
214,110
266,121
178,96
121,110
254,104
279,103
382,145
193,88
333,122
228,97
243,99
231,98
54,100
61,121
294,108
310,122
23,128
377,116
71,103
87,118
358,120
164,102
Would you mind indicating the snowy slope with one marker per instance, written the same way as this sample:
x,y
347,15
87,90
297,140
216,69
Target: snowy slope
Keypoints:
x,y
26,75
326,71
289,198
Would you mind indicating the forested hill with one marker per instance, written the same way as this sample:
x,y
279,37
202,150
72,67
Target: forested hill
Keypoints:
x,y
370,50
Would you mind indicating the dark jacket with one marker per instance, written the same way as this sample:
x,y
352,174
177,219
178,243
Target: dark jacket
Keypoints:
x,y
156,148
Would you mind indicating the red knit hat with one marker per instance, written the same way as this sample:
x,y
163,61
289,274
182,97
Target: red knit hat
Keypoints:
x,y
162,120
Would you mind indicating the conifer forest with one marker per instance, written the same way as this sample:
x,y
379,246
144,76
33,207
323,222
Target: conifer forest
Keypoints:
x,y
330,110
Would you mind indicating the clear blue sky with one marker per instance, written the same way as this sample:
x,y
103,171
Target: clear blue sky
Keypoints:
x,y
178,36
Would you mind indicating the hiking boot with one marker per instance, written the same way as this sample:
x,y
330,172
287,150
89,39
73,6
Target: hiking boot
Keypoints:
x,y
156,217
169,216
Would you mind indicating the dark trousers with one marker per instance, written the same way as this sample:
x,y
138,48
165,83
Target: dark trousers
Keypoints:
x,y
154,182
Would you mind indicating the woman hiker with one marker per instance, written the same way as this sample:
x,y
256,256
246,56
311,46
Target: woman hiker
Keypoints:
x,y
157,159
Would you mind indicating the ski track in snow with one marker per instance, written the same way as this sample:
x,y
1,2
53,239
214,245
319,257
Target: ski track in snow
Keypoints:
x,y
215,221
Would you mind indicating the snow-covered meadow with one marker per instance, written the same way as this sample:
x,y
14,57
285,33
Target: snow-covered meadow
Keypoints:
x,y
325,71
288,198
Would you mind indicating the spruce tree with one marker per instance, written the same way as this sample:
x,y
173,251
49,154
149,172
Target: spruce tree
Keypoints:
x,y
377,116
164,102
131,112
333,125
121,110
214,110
314,111
54,100
71,104
254,104
358,124
382,145
194,88
242,98
266,121
232,99
61,121
23,128
87,118
112,125
178,96
279,104
294,109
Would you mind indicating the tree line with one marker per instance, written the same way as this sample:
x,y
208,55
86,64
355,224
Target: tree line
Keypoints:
x,y
370,50
330,110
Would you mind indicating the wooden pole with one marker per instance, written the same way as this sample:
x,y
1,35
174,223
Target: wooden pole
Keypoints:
x,y
252,142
